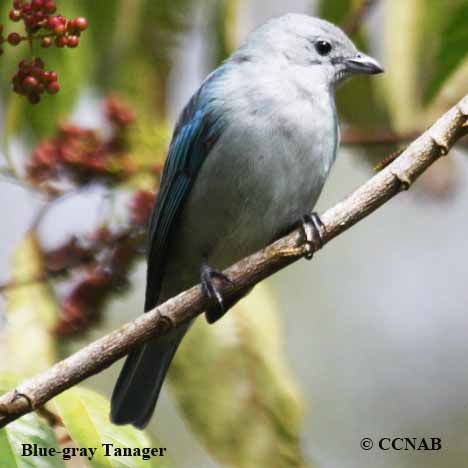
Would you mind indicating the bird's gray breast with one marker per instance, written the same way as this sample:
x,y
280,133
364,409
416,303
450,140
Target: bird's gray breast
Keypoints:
x,y
265,172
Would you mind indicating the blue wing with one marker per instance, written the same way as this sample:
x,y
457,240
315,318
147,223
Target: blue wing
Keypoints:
x,y
197,131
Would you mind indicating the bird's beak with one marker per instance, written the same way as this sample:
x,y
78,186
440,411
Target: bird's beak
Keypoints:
x,y
362,63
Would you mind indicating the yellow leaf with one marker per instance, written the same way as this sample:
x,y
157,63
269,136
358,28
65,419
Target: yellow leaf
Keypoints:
x,y
31,312
234,387
85,415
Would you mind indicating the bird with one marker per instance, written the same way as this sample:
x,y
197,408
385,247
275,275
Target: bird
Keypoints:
x,y
249,156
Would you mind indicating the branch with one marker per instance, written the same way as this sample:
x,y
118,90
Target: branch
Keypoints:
x,y
436,142
361,136
355,136
353,23
8,176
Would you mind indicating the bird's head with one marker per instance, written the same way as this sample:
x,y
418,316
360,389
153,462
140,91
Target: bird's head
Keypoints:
x,y
306,41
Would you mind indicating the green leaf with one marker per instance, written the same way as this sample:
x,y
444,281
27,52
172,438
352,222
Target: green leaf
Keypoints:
x,y
29,429
85,415
32,312
234,388
452,50
20,434
8,451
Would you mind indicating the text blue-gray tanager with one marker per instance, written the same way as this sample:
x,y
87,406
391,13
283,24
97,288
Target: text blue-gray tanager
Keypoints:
x,y
248,159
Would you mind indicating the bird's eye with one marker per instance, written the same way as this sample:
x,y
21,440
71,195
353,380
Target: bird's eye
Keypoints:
x,y
323,47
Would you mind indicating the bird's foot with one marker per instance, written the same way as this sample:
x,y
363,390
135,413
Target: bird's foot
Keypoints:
x,y
208,275
314,233
314,237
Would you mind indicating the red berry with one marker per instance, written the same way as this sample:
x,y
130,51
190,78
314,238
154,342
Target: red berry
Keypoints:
x,y
39,16
30,83
48,76
46,42
52,22
36,72
81,23
17,4
14,39
30,22
23,74
71,25
37,4
73,41
15,15
26,8
61,41
53,88
59,29
49,6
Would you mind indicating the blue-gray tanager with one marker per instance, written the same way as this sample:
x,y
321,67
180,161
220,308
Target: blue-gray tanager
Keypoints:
x,y
248,159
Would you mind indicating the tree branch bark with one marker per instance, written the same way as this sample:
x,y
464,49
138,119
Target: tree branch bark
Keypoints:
x,y
398,176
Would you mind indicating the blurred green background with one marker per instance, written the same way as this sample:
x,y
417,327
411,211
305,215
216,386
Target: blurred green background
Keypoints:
x,y
368,340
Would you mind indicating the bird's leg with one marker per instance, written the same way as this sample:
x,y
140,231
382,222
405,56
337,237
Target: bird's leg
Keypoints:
x,y
210,289
314,235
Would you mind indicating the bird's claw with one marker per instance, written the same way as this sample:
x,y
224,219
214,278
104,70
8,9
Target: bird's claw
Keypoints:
x,y
210,289
314,234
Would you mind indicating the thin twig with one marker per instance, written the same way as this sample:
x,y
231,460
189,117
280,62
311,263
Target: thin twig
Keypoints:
x,y
355,136
7,175
353,23
52,419
9,162
361,136
52,201
93,358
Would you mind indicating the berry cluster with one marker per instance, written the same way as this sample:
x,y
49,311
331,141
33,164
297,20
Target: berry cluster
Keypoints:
x,y
33,13
39,14
118,113
140,207
81,155
42,25
96,266
99,266
31,80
